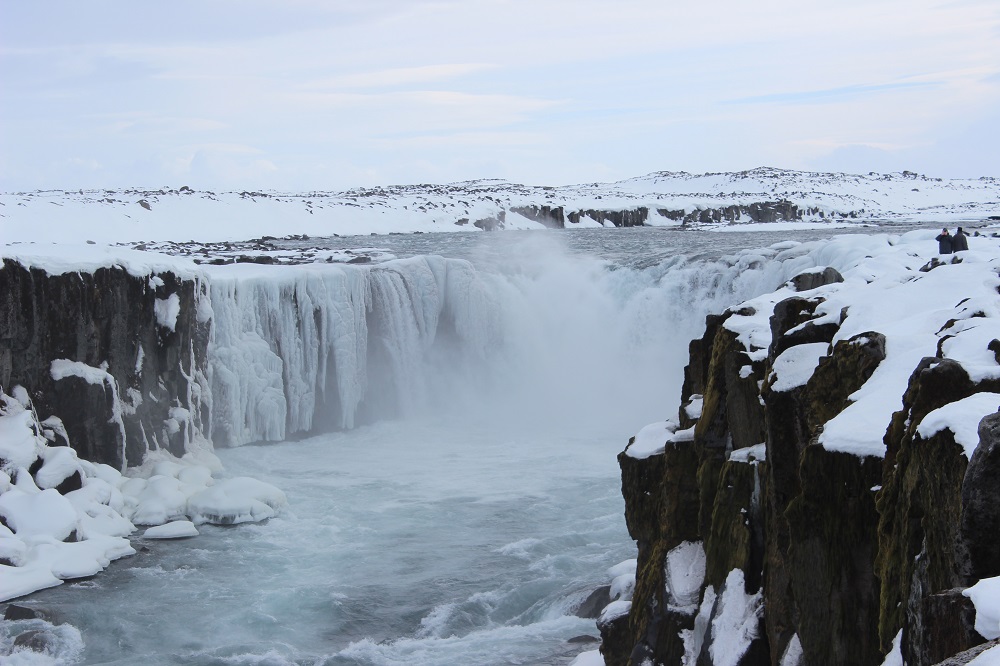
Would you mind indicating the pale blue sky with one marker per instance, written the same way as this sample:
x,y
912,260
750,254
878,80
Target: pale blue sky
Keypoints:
x,y
310,94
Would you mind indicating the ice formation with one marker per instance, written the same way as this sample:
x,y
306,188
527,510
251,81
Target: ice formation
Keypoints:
x,y
71,518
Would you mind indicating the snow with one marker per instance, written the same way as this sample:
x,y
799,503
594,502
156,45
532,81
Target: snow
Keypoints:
x,y
271,372
41,513
990,657
615,610
826,201
60,463
962,418
684,573
18,443
694,639
735,625
792,656
166,311
623,580
884,291
232,501
985,596
795,365
104,511
66,256
63,368
652,439
589,658
750,454
693,408
176,529
895,656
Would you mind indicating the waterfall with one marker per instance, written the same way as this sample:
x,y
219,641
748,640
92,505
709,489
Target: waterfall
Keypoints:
x,y
542,335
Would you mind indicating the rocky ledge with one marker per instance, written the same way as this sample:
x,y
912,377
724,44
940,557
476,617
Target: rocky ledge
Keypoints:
x,y
828,493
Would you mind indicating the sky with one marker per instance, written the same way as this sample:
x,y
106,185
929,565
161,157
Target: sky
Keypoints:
x,y
328,95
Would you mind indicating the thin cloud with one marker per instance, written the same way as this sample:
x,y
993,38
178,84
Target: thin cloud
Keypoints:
x,y
400,76
831,94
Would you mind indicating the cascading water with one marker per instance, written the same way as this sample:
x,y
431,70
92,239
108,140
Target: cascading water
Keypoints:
x,y
468,498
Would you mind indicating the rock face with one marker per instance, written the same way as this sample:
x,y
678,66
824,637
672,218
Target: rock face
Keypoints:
x,y
765,211
120,358
832,553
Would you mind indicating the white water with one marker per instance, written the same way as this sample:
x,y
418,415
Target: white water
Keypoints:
x,y
463,531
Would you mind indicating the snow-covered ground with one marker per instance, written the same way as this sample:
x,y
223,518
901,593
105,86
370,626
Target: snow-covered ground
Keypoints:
x,y
183,214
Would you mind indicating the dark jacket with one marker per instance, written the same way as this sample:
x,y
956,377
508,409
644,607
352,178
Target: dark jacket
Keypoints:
x,y
944,243
960,241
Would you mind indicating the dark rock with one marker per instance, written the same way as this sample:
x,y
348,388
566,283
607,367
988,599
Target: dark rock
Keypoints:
x,y
619,218
36,641
489,223
15,612
764,211
106,316
592,606
813,279
551,217
981,503
831,557
583,639
994,346
72,482
796,313
840,374
616,641
922,548
947,627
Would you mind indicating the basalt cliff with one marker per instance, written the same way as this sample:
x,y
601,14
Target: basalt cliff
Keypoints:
x,y
828,493
119,357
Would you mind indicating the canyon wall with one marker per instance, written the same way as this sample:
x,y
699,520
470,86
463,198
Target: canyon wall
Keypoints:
x,y
769,533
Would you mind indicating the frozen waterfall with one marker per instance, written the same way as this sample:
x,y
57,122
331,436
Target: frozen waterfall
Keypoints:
x,y
322,347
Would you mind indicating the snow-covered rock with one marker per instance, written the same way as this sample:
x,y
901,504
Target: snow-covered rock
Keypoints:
x,y
871,496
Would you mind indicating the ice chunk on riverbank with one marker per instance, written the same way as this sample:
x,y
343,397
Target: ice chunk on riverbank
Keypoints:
x,y
53,537
177,529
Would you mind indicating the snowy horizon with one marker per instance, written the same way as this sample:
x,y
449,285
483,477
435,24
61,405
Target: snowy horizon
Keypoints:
x,y
760,170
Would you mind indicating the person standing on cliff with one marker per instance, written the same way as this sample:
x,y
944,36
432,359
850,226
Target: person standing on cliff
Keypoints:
x,y
944,242
960,240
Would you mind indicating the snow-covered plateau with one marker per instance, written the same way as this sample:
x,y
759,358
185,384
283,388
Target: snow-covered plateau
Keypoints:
x,y
759,196
415,434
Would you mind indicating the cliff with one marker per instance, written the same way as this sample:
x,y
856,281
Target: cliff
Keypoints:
x,y
827,494
118,354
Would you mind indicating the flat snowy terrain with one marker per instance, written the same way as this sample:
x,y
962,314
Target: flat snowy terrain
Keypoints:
x,y
666,197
